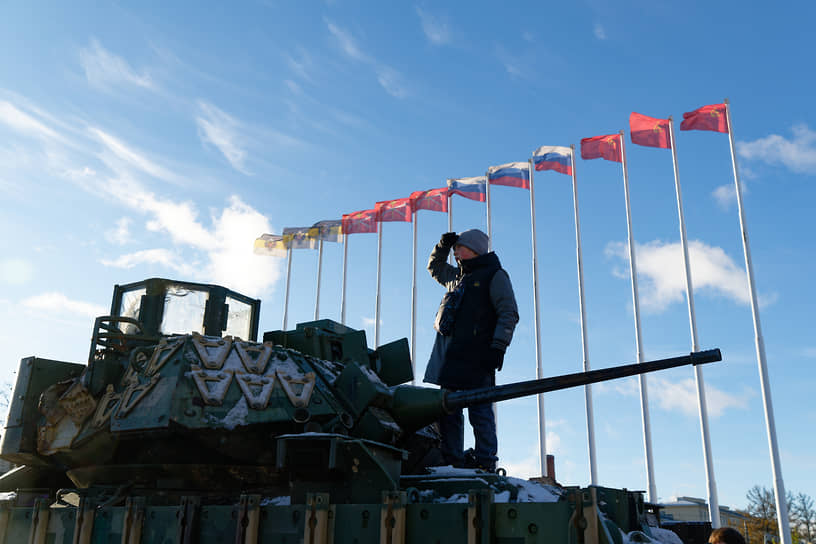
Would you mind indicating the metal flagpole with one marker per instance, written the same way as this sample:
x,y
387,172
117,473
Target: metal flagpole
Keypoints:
x,y
343,289
489,226
319,270
590,417
713,501
644,395
286,296
379,277
450,225
779,486
413,300
542,435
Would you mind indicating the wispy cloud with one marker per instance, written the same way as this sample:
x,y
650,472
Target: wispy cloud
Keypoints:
x,y
435,28
121,234
798,153
22,122
300,62
390,79
725,195
348,45
513,64
681,396
599,31
58,303
105,70
660,269
15,271
163,257
132,157
224,132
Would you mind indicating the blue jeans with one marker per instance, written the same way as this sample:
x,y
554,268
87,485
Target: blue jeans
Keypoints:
x,y
481,417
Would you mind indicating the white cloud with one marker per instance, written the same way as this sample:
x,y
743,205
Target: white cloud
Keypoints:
x,y
121,234
599,31
223,131
662,278
529,466
682,396
725,195
16,271
435,29
103,69
130,156
347,42
58,303
797,154
392,81
810,352
24,123
300,63
162,257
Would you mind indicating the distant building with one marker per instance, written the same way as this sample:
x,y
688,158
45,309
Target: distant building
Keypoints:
x,y
694,509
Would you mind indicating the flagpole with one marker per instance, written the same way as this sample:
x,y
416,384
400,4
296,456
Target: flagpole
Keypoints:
x,y
319,271
343,288
711,483
644,394
779,485
286,296
590,416
450,224
542,435
413,299
379,277
487,205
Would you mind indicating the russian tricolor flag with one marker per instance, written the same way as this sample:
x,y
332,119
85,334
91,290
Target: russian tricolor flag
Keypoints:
x,y
472,188
553,157
513,174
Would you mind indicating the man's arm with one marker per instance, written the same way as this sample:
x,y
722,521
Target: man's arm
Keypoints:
x,y
438,266
504,303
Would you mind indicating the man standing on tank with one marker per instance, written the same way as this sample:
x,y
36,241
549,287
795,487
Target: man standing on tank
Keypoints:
x,y
474,325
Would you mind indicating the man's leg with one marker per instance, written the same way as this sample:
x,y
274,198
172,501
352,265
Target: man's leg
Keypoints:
x,y
452,429
483,421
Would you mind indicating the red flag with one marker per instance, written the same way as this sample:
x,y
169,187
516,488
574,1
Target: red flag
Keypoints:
x,y
433,199
394,210
364,221
649,131
602,147
711,117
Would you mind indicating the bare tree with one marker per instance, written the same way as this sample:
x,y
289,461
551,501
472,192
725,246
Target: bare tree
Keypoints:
x,y
762,509
805,516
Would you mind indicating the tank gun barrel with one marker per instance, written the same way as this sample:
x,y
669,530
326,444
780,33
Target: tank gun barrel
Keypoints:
x,y
415,407
455,400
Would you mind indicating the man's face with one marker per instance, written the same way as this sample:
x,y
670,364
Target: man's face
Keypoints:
x,y
463,253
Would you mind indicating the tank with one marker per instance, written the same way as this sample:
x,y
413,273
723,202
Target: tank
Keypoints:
x,y
183,427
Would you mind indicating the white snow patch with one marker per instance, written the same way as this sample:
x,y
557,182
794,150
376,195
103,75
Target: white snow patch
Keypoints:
x,y
534,492
236,416
372,375
665,536
285,500
8,496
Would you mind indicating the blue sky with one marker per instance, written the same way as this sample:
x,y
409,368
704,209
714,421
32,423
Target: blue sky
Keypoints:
x,y
156,140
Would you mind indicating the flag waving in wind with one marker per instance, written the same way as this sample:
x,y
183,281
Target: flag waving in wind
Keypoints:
x,y
602,147
363,221
271,245
433,199
473,188
649,131
394,210
329,231
512,174
553,157
301,237
711,117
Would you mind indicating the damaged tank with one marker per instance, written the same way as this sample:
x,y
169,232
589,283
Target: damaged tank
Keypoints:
x,y
182,427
